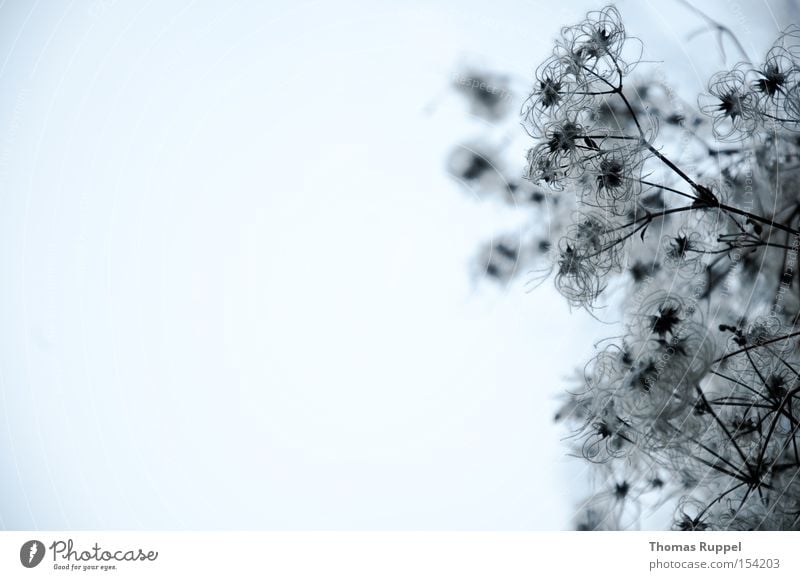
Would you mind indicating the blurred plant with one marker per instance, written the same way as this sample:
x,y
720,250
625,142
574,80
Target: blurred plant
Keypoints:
x,y
638,204
489,93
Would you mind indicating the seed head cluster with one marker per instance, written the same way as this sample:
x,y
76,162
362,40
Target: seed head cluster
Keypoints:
x,y
683,224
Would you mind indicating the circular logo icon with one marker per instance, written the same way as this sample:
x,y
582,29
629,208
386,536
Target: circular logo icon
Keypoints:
x,y
31,553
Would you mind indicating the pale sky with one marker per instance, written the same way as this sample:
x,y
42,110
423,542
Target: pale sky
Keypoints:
x,y
236,282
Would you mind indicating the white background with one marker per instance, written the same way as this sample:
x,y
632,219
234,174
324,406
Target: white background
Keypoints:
x,y
234,276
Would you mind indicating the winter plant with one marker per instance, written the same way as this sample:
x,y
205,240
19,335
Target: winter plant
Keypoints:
x,y
684,221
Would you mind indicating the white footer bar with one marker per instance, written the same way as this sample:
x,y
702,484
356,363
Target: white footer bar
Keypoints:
x,y
396,555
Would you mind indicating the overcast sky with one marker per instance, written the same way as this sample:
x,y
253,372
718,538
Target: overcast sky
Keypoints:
x,y
236,288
